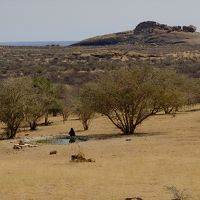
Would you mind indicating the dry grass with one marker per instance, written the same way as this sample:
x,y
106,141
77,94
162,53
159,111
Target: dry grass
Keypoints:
x,y
166,152
178,194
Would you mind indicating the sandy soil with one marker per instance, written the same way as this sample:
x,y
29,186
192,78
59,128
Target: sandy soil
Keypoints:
x,y
166,152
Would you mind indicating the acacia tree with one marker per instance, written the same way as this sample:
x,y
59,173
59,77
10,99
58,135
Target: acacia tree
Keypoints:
x,y
14,95
44,88
41,101
84,112
71,102
66,97
176,90
24,99
35,110
128,97
56,107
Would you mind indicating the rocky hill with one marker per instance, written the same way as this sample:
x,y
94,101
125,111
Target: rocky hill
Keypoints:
x,y
150,33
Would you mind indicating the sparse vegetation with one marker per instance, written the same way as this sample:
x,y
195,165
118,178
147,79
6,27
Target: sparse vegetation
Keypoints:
x,y
79,65
178,194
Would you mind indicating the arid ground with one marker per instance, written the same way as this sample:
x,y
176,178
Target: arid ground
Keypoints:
x,y
165,152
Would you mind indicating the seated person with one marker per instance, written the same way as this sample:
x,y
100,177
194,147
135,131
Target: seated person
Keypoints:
x,y
72,132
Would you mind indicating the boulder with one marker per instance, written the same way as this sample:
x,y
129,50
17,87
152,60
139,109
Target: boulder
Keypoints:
x,y
24,141
146,27
81,158
177,28
21,142
190,28
52,152
151,27
17,147
22,145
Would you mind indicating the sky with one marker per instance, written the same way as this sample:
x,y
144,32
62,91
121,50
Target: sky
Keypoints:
x,y
73,20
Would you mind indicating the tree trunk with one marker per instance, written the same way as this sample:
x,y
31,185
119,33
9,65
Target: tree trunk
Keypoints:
x,y
129,130
85,126
33,126
46,121
169,110
65,117
11,132
55,114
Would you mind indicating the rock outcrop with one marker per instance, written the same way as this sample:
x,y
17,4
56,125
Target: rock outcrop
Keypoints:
x,y
190,28
154,27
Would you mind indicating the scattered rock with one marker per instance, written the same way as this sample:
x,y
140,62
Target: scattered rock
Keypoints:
x,y
190,28
124,59
81,158
76,53
21,146
134,198
128,140
52,152
24,141
85,55
17,147
90,160
27,141
21,142
177,28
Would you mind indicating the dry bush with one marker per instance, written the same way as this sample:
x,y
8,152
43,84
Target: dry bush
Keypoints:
x,y
178,194
79,156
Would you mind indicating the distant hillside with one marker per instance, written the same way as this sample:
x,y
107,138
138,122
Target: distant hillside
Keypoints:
x,y
149,32
150,44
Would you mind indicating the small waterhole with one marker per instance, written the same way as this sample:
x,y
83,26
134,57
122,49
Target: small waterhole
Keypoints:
x,y
61,140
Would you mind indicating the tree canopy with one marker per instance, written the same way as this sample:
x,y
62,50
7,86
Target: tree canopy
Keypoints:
x,y
128,97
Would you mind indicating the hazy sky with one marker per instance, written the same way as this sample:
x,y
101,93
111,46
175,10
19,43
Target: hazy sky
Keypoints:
x,y
54,20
